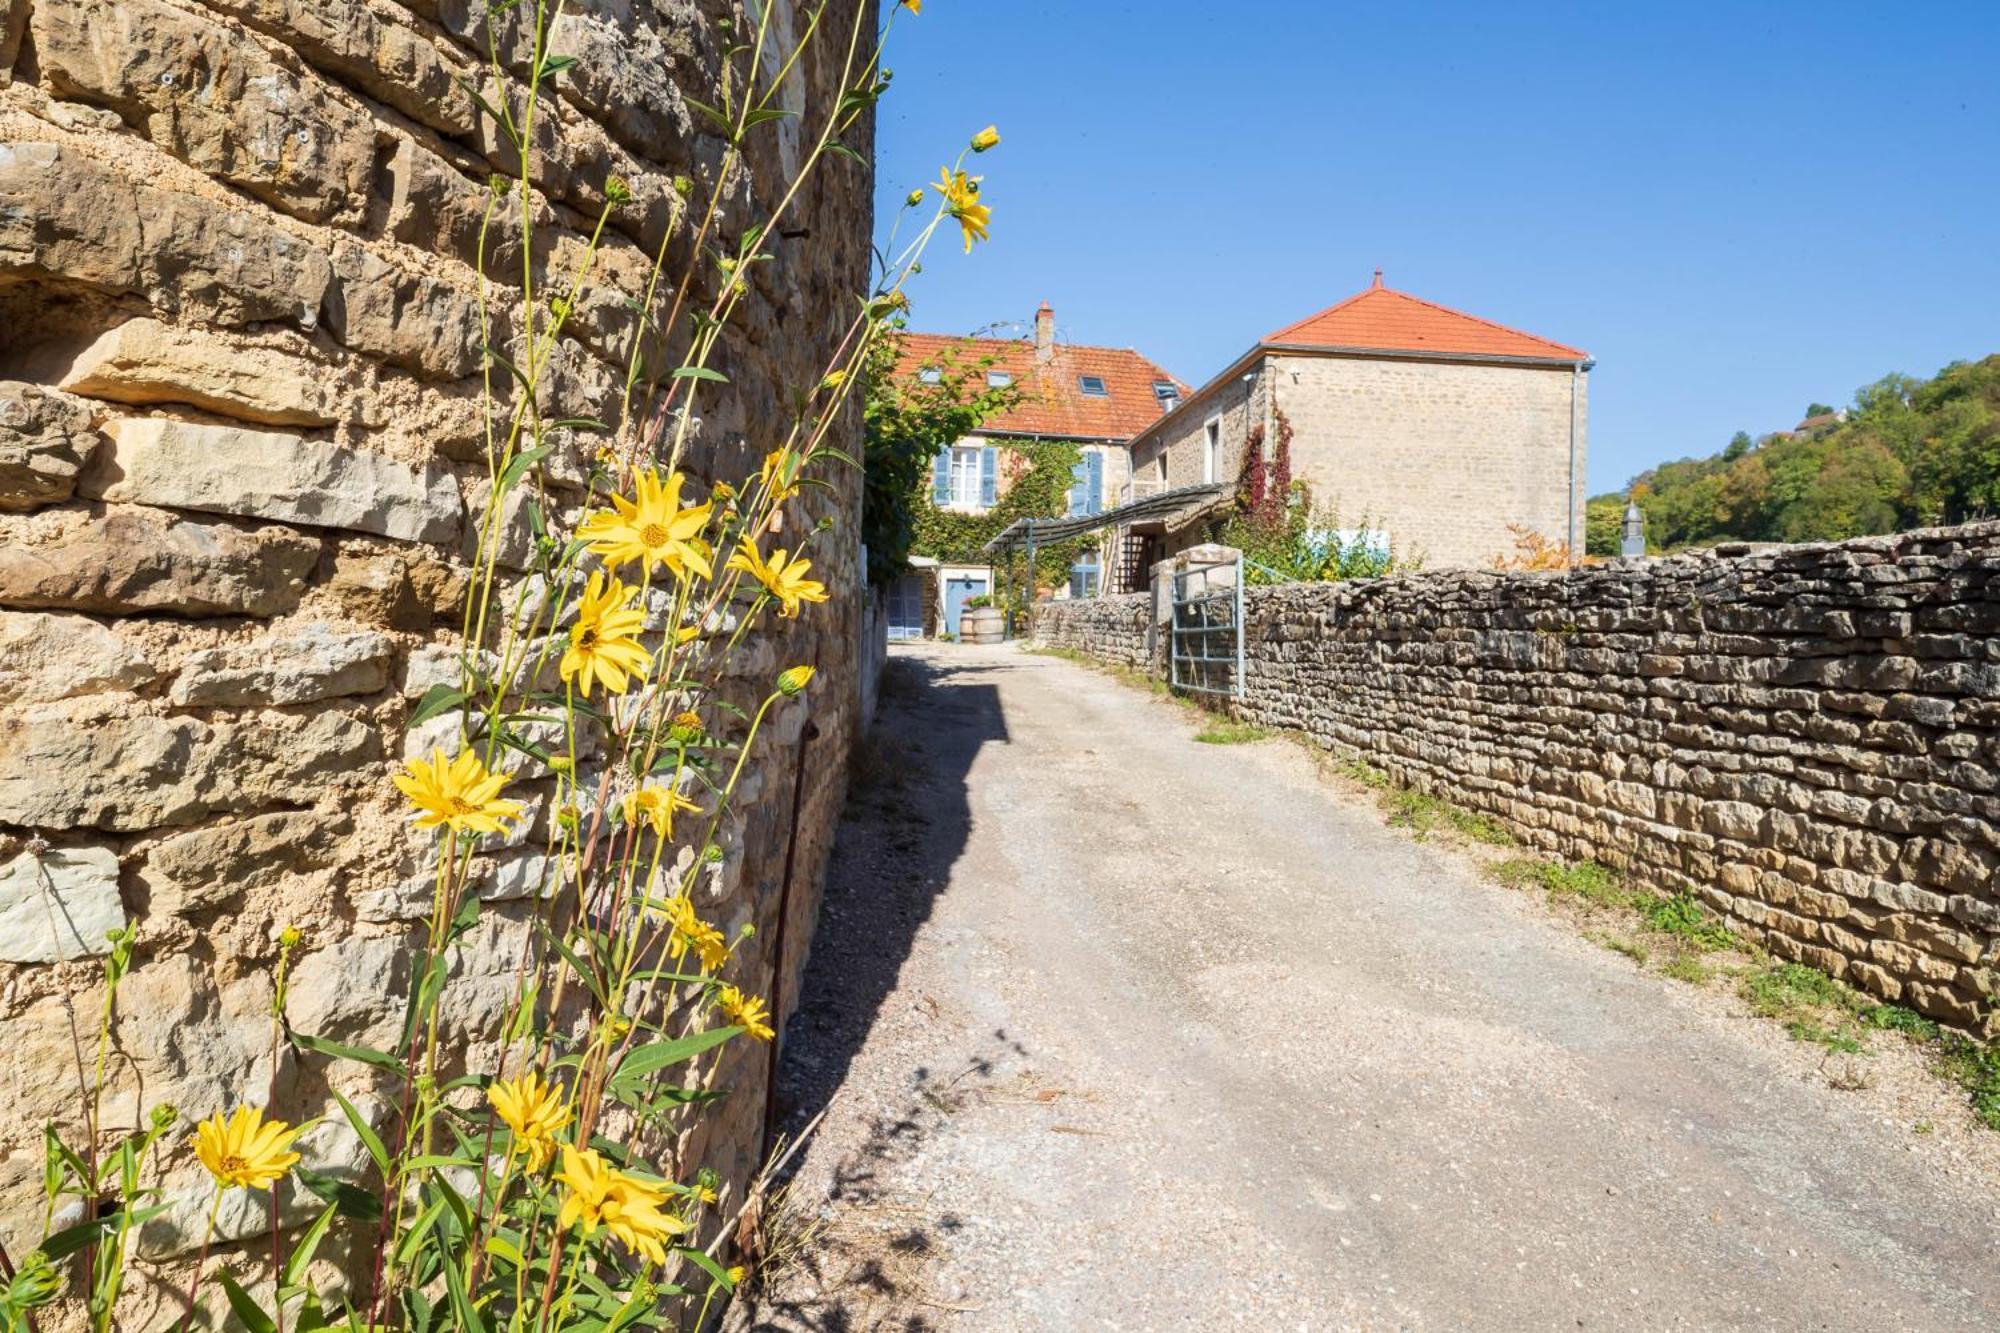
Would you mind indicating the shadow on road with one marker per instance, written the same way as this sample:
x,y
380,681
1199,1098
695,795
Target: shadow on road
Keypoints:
x,y
907,821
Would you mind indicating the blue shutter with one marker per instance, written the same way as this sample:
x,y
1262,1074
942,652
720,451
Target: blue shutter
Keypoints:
x,y
989,477
941,478
1079,493
1094,484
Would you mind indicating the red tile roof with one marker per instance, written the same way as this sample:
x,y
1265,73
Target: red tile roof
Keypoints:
x,y
1052,402
1382,319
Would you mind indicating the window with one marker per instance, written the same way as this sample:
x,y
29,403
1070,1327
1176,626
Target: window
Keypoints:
x,y
1093,386
1166,390
999,379
1086,491
1083,576
965,478
1211,452
931,375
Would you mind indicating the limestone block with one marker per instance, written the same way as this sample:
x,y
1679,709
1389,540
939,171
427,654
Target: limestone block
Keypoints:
x,y
434,206
48,657
358,44
59,905
132,559
295,665
625,77
144,361
208,866
73,219
274,475
515,876
136,773
352,991
214,97
409,319
46,438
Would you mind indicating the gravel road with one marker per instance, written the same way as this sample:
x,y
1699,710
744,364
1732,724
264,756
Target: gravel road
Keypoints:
x,y
1122,1031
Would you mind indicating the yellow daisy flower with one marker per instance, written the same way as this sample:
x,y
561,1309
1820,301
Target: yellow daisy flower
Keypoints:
x,y
779,474
691,932
535,1111
961,196
652,527
783,579
246,1150
657,804
746,1011
626,1206
604,643
457,793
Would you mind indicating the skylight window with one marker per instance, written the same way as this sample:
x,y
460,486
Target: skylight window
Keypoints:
x,y
999,379
931,375
1166,390
1093,386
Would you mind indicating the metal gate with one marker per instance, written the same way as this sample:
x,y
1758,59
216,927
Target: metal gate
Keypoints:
x,y
1205,653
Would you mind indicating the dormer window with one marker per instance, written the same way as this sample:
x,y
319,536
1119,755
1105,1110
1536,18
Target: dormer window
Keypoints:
x,y
999,379
1166,390
931,375
1092,386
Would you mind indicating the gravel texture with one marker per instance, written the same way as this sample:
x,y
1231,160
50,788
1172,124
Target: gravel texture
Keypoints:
x,y
1122,1031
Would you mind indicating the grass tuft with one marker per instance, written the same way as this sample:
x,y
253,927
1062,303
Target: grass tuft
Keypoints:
x,y
1230,733
1683,917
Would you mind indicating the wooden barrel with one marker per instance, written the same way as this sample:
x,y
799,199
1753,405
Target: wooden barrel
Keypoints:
x,y
981,625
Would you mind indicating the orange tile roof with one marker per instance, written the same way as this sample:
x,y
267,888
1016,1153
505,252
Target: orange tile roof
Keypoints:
x,y
1382,319
1052,403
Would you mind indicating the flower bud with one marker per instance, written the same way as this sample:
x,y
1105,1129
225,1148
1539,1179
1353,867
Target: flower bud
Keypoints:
x,y
915,197
795,679
164,1115
289,937
986,138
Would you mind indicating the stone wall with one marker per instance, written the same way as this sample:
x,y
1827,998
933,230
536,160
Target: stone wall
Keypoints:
x,y
1111,629
241,459
1808,736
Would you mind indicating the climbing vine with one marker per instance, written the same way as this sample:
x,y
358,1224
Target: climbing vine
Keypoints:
x,y
1036,477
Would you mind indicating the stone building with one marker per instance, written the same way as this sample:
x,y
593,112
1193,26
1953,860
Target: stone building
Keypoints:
x,y
1098,398
241,464
1440,429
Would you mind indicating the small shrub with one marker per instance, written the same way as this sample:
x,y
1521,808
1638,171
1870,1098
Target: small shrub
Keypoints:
x,y
1683,917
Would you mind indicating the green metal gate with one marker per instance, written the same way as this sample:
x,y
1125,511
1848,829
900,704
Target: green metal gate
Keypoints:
x,y
1205,652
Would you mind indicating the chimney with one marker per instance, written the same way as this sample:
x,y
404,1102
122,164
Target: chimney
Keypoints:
x,y
1045,334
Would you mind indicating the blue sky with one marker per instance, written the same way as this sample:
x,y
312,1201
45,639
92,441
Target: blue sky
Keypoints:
x,y
1736,208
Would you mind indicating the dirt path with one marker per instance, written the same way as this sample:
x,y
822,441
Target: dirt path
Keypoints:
x,y
1134,1033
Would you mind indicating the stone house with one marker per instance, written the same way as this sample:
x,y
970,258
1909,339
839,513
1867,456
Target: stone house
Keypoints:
x,y
1098,398
1441,429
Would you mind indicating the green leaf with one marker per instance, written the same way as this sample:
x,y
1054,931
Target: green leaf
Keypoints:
x,y
369,1138
470,1318
843,150
436,700
655,1056
247,1311
341,1051
714,116
764,115
708,1265
349,1200
700,373
302,1251
552,66
73,1238
518,468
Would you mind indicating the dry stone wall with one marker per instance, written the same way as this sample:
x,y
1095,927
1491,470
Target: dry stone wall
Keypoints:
x,y
241,464
1808,736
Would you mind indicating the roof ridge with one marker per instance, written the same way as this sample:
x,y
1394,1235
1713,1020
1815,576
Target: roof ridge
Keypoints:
x,y
1477,319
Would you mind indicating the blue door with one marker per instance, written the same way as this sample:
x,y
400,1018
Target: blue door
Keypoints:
x,y
956,592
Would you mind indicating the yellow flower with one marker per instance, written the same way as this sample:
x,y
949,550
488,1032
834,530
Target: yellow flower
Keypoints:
x,y
623,1204
457,793
691,932
986,138
961,197
722,490
784,579
779,474
746,1011
657,805
604,643
793,680
834,379
914,6
248,1150
534,1111
736,1274
916,197
686,728
652,528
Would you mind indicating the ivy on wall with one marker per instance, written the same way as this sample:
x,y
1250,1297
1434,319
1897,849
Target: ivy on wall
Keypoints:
x,y
1039,475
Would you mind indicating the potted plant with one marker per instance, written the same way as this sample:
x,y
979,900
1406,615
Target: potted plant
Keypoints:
x,y
981,621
